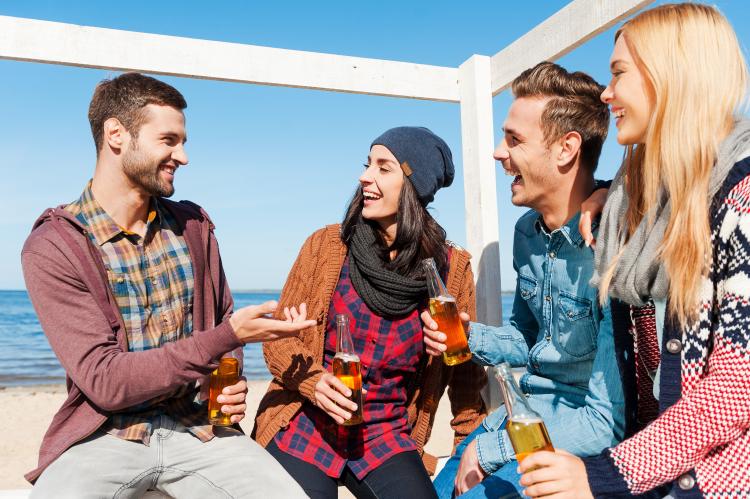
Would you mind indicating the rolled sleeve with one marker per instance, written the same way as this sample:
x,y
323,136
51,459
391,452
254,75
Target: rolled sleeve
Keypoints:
x,y
494,450
492,345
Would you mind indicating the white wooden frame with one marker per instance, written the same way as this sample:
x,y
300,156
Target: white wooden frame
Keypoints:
x,y
472,85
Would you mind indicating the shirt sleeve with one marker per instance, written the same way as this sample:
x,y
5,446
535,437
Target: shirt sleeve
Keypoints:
x,y
494,449
492,345
289,360
82,338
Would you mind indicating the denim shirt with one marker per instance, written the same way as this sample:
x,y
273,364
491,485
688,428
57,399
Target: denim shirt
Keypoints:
x,y
563,337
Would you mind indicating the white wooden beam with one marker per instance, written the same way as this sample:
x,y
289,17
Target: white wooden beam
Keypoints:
x,y
477,144
59,43
559,34
482,233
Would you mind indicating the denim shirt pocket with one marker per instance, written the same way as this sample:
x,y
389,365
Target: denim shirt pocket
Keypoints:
x,y
576,333
528,289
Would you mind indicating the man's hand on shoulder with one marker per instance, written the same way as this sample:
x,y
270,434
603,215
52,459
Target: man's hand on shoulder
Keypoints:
x,y
252,324
591,208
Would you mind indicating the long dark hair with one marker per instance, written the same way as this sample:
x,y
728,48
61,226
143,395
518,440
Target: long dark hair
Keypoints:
x,y
418,235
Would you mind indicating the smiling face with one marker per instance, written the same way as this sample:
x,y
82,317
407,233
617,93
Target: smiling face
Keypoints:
x,y
152,158
381,186
628,96
524,154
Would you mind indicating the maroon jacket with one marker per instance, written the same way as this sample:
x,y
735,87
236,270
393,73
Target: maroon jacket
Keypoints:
x,y
67,283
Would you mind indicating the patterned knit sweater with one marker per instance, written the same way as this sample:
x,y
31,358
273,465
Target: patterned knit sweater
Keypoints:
x,y
700,443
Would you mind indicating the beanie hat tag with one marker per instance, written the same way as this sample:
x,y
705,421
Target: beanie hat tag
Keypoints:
x,y
406,168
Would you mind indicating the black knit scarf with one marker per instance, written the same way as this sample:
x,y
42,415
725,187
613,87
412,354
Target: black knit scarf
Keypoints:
x,y
387,293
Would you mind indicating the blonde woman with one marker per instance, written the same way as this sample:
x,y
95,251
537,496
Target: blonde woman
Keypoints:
x,y
674,245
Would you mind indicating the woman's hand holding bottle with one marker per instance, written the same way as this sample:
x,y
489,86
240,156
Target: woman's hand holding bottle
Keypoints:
x,y
434,340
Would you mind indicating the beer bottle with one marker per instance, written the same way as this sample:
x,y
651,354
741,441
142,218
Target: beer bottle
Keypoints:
x,y
346,366
444,311
525,427
226,374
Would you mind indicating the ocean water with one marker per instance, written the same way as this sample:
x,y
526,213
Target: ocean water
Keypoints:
x,y
27,359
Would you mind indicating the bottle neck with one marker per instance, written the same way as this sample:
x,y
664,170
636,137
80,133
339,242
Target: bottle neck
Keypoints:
x,y
516,404
344,343
435,285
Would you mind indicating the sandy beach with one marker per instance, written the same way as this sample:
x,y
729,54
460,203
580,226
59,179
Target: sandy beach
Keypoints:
x,y
30,409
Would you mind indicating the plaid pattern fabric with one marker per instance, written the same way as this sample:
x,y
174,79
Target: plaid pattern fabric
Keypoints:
x,y
389,352
151,278
647,357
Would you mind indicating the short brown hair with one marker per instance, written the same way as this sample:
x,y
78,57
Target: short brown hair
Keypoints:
x,y
574,106
125,98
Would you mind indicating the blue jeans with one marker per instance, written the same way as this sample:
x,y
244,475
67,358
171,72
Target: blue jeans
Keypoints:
x,y
501,484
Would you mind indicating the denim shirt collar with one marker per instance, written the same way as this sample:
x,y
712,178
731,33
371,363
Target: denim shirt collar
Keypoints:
x,y
569,231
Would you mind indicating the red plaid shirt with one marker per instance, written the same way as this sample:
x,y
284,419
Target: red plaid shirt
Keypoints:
x,y
389,352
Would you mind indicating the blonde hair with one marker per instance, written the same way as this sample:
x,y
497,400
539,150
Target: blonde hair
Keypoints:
x,y
696,77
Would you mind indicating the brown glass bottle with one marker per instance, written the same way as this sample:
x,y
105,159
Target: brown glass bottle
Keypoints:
x,y
228,373
346,367
444,311
525,427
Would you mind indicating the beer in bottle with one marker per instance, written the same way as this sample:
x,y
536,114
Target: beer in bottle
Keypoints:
x,y
346,367
228,373
525,427
444,311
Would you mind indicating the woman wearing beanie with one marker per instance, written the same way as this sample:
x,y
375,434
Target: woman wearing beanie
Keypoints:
x,y
674,250
370,268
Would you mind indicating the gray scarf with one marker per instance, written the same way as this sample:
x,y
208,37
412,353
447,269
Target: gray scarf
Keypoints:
x,y
640,275
387,293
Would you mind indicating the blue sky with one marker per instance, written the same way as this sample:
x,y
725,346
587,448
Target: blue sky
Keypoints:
x,y
269,164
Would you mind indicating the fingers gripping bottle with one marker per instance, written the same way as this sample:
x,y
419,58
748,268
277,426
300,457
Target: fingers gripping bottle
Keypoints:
x,y
444,311
226,374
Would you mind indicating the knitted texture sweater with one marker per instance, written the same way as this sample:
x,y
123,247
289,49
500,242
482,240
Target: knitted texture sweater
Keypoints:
x,y
699,446
296,363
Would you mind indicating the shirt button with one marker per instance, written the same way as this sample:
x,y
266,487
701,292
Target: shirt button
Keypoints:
x,y
552,254
674,346
548,298
686,481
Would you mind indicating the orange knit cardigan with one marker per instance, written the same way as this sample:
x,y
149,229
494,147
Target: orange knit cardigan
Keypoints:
x,y
296,363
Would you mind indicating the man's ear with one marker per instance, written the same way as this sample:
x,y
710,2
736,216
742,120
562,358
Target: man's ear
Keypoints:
x,y
115,134
570,148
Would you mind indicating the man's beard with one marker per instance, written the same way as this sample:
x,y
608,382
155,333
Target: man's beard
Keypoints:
x,y
143,171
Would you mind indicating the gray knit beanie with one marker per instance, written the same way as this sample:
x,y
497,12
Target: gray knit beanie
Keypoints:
x,y
425,158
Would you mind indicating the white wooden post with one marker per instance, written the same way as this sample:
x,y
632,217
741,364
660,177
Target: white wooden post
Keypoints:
x,y
477,144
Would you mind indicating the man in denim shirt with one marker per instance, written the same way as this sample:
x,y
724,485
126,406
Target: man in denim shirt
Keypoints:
x,y
552,140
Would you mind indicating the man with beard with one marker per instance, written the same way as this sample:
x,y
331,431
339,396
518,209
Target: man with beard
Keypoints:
x,y
130,291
